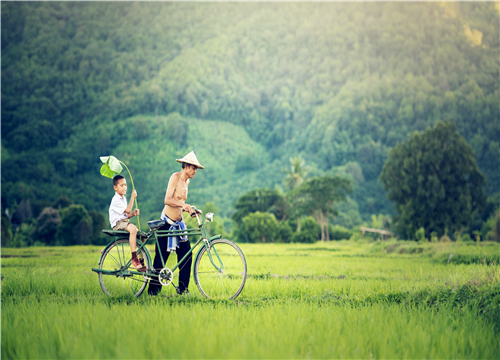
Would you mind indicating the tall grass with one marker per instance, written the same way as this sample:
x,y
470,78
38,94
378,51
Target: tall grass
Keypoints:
x,y
334,300
205,330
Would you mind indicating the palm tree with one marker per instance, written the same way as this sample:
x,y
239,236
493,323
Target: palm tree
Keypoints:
x,y
297,173
295,177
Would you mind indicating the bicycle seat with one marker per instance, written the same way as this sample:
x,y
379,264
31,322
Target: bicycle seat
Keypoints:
x,y
114,233
156,224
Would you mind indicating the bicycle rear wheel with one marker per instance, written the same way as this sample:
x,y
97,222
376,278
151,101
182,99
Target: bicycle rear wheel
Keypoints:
x,y
115,258
228,281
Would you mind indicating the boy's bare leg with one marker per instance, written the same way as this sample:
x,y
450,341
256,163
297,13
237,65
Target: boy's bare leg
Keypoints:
x,y
132,229
133,247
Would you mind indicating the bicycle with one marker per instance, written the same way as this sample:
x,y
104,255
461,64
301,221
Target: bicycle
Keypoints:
x,y
219,270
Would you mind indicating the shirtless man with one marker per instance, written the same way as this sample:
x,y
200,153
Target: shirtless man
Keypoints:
x,y
175,204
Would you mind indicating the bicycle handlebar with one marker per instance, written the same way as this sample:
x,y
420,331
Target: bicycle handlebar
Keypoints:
x,y
196,211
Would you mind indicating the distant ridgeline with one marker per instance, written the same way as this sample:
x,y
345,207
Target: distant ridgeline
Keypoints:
x,y
246,86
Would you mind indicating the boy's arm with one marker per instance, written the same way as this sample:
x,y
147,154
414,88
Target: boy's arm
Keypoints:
x,y
131,203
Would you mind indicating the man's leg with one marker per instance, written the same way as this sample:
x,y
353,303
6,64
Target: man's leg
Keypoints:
x,y
154,285
185,267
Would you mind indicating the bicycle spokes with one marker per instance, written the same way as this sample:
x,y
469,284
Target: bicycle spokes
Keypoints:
x,y
225,281
123,281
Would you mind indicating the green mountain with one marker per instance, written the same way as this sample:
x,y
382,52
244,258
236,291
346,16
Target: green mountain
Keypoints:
x,y
245,85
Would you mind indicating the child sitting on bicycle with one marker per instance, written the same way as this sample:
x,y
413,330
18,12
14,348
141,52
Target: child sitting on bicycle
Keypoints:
x,y
120,212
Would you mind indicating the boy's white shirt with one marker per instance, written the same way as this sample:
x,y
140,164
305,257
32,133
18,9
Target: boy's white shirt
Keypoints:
x,y
117,209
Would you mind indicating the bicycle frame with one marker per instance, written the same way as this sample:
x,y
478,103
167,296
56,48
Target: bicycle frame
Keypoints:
x,y
124,271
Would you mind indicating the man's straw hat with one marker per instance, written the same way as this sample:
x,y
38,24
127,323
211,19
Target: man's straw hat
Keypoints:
x,y
191,159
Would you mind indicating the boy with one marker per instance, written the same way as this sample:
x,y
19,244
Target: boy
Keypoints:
x,y
120,212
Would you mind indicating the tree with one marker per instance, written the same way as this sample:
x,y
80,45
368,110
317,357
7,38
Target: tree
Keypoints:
x,y
434,181
297,173
62,202
263,200
76,226
98,223
295,177
318,196
46,226
90,78
6,231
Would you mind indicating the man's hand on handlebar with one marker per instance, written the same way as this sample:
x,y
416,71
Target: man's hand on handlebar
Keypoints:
x,y
191,209
187,208
195,211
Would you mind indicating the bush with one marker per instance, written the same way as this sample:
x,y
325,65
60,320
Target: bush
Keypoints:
x,y
309,232
356,236
338,232
444,238
491,227
420,235
309,224
303,237
285,232
22,235
466,238
258,227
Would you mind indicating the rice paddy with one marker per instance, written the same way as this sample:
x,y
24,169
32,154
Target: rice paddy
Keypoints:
x,y
361,300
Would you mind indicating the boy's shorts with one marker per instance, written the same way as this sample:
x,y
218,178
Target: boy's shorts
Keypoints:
x,y
121,225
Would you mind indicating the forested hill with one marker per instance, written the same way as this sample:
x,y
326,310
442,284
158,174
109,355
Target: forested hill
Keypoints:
x,y
246,85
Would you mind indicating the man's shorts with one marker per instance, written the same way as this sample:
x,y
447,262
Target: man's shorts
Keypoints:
x,y
121,225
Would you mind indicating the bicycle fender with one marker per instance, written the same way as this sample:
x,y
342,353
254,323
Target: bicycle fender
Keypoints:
x,y
201,248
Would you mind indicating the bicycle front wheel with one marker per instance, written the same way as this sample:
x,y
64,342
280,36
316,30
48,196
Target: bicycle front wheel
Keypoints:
x,y
115,258
221,272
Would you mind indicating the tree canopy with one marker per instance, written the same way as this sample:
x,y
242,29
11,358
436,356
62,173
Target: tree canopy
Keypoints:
x,y
434,181
318,196
246,85
262,200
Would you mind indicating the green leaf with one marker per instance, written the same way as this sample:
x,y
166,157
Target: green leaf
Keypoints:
x,y
111,166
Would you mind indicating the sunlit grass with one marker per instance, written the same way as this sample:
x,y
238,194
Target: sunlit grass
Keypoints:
x,y
333,300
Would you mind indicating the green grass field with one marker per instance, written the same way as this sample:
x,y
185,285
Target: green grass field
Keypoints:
x,y
325,300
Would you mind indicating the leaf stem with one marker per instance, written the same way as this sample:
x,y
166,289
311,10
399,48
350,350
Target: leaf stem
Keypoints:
x,y
133,188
